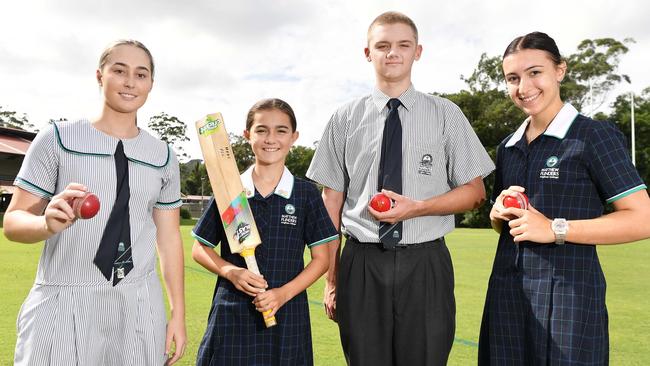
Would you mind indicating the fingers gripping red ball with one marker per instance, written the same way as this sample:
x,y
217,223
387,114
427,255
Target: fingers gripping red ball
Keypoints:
x,y
519,200
380,202
86,207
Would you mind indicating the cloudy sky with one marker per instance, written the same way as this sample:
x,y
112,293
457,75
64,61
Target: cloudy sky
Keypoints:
x,y
223,56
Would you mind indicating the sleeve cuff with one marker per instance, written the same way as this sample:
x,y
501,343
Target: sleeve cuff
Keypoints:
x,y
323,241
202,241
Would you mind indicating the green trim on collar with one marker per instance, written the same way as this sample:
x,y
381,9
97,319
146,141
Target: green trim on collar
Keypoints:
x,y
48,194
626,193
58,139
149,164
323,241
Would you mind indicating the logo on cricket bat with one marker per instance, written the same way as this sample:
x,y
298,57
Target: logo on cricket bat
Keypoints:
x,y
243,231
210,126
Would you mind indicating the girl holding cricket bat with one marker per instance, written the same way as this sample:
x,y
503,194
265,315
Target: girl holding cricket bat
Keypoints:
x,y
290,215
545,303
97,299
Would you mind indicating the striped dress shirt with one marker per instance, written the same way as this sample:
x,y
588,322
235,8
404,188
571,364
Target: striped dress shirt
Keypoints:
x,y
440,151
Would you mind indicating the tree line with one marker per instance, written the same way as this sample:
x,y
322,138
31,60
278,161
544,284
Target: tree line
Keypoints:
x,y
591,76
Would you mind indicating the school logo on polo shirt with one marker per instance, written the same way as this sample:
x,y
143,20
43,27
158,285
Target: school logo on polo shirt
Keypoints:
x,y
289,218
426,164
550,171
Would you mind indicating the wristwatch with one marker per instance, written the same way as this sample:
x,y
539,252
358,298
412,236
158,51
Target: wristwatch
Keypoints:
x,y
560,228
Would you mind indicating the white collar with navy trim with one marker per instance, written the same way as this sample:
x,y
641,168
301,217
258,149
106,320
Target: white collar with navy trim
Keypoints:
x,y
558,127
283,189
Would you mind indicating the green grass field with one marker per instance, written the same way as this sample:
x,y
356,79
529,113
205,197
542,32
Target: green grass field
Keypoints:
x,y
627,269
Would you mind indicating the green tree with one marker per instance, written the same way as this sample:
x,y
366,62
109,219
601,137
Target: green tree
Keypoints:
x,y
194,179
298,160
13,120
171,130
243,152
592,72
621,115
488,75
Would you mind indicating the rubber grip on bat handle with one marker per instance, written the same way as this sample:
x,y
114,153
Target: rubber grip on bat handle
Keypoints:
x,y
251,263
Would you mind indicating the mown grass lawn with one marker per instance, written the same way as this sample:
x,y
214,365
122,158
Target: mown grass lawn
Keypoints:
x,y
627,269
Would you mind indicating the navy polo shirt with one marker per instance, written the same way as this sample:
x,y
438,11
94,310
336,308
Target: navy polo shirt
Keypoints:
x,y
288,219
537,291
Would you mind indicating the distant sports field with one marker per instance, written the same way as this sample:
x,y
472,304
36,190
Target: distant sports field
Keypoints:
x,y
627,269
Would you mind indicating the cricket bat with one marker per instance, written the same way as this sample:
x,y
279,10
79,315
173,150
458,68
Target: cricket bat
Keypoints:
x,y
235,212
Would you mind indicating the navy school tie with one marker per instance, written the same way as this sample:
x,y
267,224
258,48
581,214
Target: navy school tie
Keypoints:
x,y
114,256
390,170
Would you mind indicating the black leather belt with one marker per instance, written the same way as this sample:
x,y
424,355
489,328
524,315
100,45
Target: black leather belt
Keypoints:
x,y
399,246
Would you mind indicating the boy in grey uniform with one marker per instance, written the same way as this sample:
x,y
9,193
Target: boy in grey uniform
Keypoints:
x,y
394,282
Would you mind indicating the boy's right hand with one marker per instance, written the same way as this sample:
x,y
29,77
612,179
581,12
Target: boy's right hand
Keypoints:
x,y
246,281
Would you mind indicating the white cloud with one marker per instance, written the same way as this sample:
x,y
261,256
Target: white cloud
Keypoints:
x,y
224,55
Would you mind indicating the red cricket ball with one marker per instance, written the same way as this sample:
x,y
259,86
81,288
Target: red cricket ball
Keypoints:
x,y
86,207
380,202
519,200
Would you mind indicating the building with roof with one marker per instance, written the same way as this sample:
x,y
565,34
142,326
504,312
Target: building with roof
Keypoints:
x,y
13,147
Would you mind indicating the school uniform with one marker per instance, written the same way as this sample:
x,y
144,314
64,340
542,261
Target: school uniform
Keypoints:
x,y
396,307
288,219
73,315
545,303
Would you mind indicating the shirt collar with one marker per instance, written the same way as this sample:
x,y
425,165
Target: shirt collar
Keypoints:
x,y
80,137
283,189
558,127
407,98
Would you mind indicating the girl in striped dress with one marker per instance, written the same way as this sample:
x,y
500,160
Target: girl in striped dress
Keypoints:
x,y
76,313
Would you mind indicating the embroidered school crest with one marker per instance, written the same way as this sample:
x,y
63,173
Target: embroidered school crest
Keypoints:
x,y
551,171
426,165
289,218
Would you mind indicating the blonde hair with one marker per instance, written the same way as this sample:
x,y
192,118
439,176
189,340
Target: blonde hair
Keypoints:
x,y
394,17
125,42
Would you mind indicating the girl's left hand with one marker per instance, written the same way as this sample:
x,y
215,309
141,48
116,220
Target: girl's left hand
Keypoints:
x,y
176,335
530,225
272,300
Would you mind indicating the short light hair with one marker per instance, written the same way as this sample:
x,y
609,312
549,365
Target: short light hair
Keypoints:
x,y
393,17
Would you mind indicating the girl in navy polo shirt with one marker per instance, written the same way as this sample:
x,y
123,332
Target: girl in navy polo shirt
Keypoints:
x,y
289,214
545,303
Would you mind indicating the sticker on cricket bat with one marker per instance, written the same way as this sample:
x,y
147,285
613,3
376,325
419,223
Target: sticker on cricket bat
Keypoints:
x,y
229,195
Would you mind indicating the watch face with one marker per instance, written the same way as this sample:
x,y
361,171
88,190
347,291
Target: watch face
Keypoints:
x,y
560,225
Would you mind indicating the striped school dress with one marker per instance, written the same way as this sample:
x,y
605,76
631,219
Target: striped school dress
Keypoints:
x,y
73,315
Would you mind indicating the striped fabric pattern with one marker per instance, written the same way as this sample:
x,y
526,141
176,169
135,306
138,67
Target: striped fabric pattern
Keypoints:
x,y
69,289
440,152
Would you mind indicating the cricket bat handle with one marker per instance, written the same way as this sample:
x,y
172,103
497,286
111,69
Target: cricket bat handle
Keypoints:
x,y
251,263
